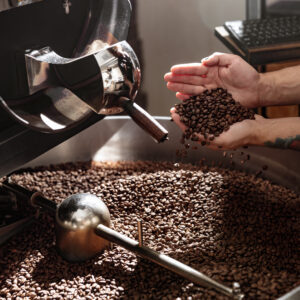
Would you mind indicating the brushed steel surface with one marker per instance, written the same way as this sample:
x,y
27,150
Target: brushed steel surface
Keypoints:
x,y
53,92
76,220
119,138
9,4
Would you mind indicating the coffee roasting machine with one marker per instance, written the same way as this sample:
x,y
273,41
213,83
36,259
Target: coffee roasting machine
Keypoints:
x,y
64,66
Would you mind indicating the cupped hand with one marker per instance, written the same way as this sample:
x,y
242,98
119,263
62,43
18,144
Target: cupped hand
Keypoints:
x,y
218,70
239,134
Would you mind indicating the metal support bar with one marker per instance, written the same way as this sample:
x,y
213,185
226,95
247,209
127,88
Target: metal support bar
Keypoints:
x,y
140,232
166,261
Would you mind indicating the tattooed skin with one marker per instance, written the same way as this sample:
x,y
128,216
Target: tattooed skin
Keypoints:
x,y
287,143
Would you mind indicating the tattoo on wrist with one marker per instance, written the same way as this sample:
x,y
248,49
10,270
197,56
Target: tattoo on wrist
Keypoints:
x,y
286,143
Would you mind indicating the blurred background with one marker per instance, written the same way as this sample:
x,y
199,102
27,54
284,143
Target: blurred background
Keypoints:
x,y
173,32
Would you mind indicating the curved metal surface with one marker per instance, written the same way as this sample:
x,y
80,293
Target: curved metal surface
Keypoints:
x,y
88,27
76,220
118,138
9,4
64,90
107,23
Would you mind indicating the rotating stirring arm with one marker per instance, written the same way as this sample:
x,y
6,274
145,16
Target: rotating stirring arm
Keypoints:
x,y
168,262
108,234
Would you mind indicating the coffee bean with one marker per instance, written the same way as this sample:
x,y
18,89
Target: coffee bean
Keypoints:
x,y
210,114
225,223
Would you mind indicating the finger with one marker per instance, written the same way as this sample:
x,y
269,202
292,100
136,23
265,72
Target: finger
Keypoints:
x,y
188,79
166,76
185,88
217,58
183,97
176,119
170,76
190,69
258,117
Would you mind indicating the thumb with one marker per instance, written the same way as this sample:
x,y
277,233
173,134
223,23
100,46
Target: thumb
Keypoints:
x,y
218,58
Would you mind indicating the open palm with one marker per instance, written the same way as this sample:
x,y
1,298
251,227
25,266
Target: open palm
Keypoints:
x,y
219,70
238,135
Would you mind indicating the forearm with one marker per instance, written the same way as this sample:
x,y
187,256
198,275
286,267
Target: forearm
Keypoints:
x,y
279,133
280,87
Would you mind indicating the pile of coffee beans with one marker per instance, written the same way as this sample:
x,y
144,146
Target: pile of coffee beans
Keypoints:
x,y
211,113
224,223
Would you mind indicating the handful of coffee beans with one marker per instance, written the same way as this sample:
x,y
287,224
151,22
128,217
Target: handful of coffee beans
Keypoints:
x,y
211,113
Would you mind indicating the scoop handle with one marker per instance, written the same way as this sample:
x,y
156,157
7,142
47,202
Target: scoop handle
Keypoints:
x,y
34,198
145,121
165,261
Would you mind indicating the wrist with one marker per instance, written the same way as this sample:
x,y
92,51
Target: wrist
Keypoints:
x,y
265,88
259,131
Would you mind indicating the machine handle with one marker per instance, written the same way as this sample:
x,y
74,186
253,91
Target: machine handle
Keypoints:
x,y
34,198
145,121
166,262
9,231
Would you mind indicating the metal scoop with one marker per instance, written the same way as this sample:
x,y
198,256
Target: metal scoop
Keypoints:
x,y
82,231
54,77
63,91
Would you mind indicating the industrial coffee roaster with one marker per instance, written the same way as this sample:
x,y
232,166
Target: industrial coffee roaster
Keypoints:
x,y
65,65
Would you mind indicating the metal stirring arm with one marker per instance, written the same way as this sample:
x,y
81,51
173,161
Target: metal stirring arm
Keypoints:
x,y
10,230
137,247
32,198
167,262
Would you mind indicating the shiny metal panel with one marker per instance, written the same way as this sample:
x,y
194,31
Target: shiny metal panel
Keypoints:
x,y
48,34
119,138
9,4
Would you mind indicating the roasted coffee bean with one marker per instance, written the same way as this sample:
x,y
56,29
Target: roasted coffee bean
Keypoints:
x,y
226,224
211,113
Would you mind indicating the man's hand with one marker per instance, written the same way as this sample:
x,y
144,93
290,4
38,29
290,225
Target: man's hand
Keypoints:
x,y
249,88
239,134
218,70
